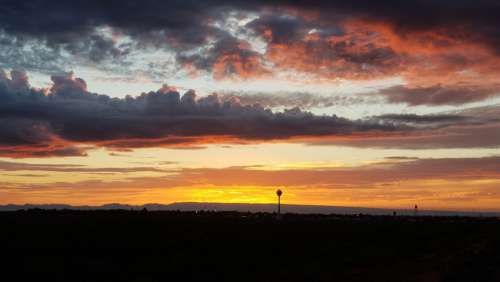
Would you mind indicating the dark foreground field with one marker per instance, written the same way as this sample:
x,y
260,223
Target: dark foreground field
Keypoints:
x,y
175,246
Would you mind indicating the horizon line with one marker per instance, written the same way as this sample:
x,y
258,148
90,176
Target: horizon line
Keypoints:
x,y
410,209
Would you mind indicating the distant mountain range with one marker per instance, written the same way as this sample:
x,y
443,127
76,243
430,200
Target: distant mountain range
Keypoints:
x,y
196,206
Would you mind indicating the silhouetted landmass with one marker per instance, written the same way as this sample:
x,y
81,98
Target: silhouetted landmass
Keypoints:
x,y
300,209
142,245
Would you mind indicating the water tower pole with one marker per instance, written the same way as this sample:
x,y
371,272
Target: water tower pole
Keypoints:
x,y
279,192
279,205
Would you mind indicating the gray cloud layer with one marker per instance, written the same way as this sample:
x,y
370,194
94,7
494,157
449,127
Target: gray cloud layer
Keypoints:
x,y
57,121
294,99
437,94
68,113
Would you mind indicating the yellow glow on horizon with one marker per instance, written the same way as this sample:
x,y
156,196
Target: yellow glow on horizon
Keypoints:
x,y
136,186
424,193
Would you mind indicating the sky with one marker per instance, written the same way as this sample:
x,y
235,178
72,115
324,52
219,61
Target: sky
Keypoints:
x,y
355,103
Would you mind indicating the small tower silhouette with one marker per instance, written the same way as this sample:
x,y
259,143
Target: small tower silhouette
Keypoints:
x,y
279,192
415,211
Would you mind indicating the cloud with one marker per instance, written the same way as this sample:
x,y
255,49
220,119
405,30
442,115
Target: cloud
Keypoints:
x,y
414,118
449,51
186,21
354,177
420,40
325,52
456,136
396,181
183,22
438,95
19,166
445,121
65,117
477,127
474,20
303,100
280,28
43,151
227,57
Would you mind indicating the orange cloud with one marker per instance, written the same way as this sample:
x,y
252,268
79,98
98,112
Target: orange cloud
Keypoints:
x,y
371,49
239,66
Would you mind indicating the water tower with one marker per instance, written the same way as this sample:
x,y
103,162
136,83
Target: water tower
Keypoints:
x,y
279,192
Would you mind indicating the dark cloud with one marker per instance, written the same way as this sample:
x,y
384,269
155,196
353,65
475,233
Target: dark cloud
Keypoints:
x,y
96,48
438,94
185,21
473,20
66,86
187,26
414,118
23,131
281,29
67,119
228,56
43,150
87,30
61,23
67,114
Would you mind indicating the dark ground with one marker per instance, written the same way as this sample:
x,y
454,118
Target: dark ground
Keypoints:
x,y
224,246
